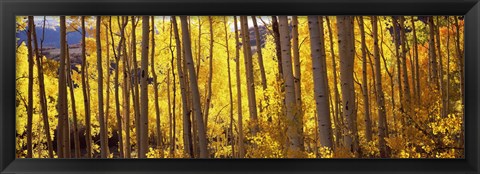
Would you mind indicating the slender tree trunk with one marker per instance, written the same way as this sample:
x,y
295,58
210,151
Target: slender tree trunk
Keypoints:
x,y
31,28
382,121
293,122
447,83
440,69
144,89
86,96
396,41
103,131
108,65
232,139
118,55
431,49
126,95
199,42
155,90
210,75
62,128
194,88
297,75
76,136
366,107
317,46
252,105
406,86
136,92
187,135
258,43
417,67
338,134
174,88
276,36
347,52
460,61
43,98
241,149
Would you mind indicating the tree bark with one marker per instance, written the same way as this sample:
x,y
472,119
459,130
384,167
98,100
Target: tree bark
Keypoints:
x,y
317,46
76,136
241,151
86,96
187,134
293,122
382,121
232,141
194,88
31,28
208,97
103,131
366,107
252,106
431,48
417,67
144,89
259,52
347,52
43,98
337,120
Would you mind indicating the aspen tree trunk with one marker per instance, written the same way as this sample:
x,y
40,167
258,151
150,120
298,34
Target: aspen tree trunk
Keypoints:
x,y
276,36
259,53
447,83
120,47
431,50
107,64
187,134
297,75
338,122
417,67
169,105
229,86
62,108
136,92
440,70
144,89
390,75
366,107
241,151
406,86
382,119
252,106
155,90
126,95
86,96
174,88
462,74
103,131
293,122
194,88
317,46
460,61
398,64
210,75
347,53
43,98
117,55
199,51
31,27
76,136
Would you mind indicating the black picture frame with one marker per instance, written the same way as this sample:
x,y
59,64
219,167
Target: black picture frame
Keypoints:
x,y
11,8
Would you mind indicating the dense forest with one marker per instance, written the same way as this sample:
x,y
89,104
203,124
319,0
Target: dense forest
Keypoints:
x,y
240,87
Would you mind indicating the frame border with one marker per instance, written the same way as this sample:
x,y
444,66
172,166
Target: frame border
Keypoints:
x,y
11,8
